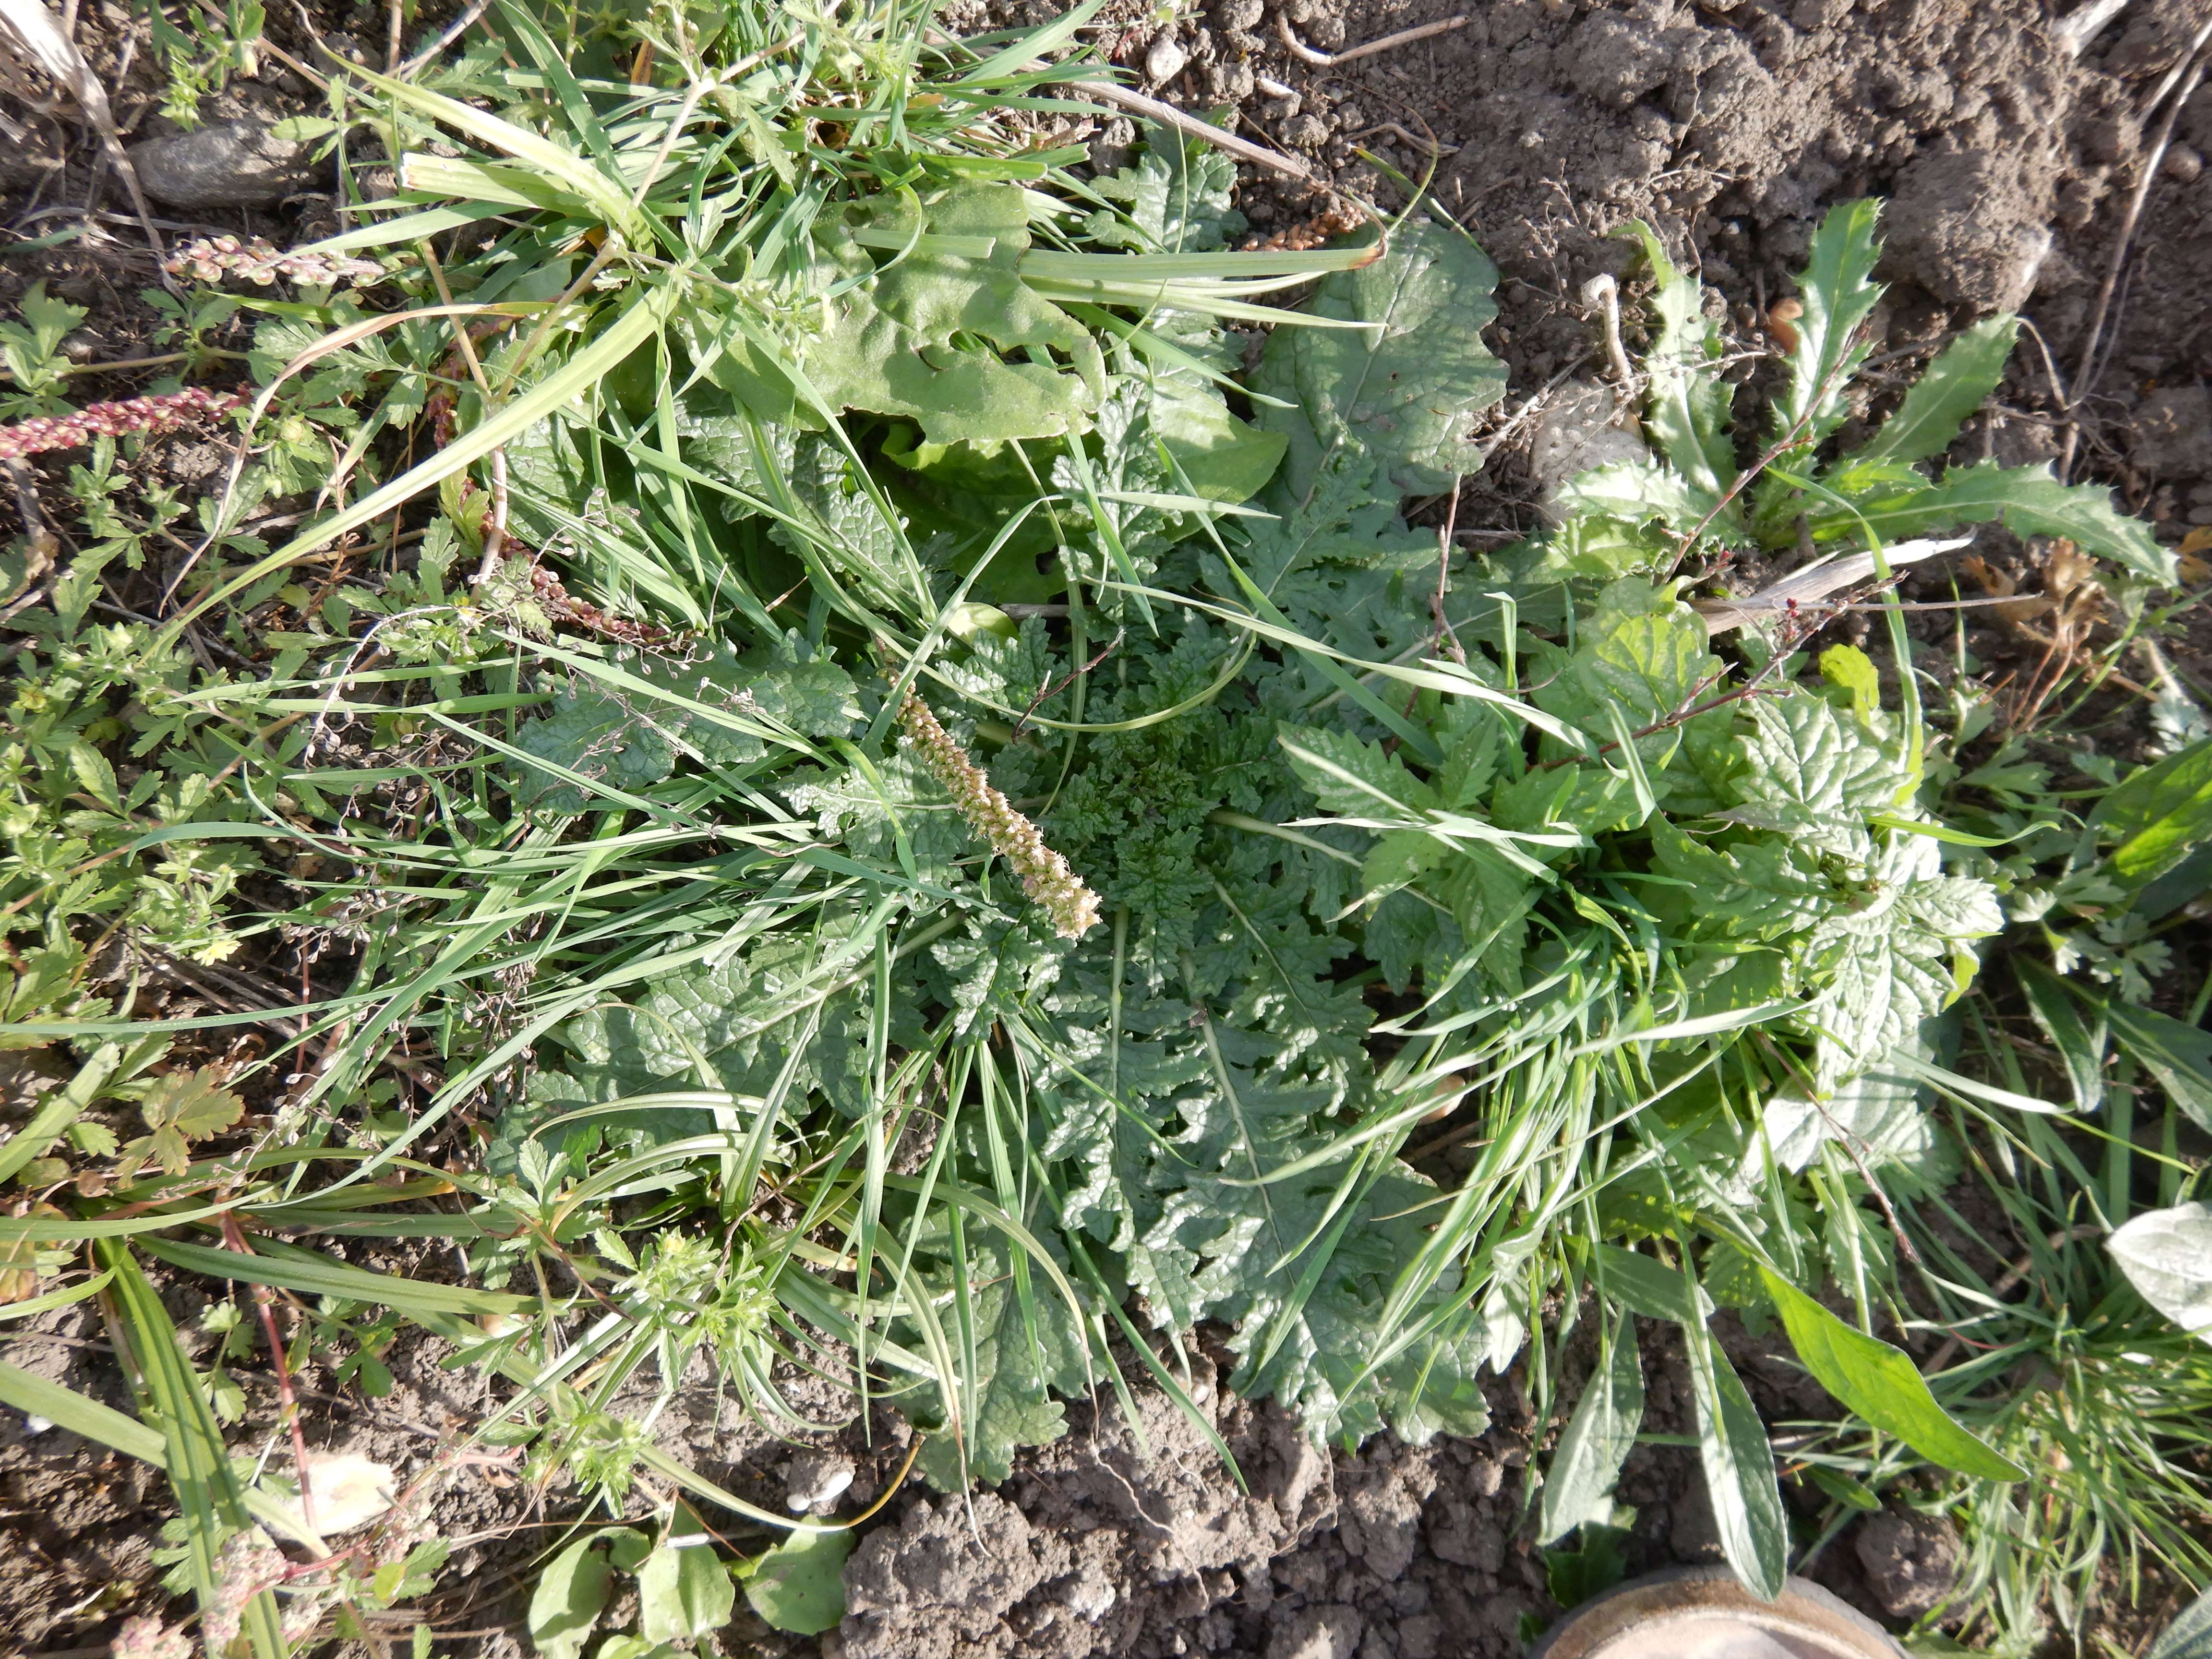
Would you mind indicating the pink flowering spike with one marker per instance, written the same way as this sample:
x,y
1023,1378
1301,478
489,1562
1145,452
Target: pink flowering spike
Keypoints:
x,y
210,260
1046,876
165,413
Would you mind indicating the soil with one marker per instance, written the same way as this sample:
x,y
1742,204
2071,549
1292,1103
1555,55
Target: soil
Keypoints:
x,y
2008,164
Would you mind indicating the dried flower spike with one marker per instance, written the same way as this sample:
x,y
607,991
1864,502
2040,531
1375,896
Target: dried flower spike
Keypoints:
x,y
211,258
1046,876
161,414
147,1637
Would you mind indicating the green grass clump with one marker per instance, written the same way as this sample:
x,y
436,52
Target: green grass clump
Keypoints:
x,y
914,819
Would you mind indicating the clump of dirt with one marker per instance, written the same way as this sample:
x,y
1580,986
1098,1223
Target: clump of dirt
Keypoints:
x,y
1108,1543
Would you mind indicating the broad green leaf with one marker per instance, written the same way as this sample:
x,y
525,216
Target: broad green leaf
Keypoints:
x,y
2166,1256
1848,666
1739,1465
1882,1384
1688,412
2159,815
799,1585
2190,1636
683,1588
1407,389
1578,1485
570,1595
2080,1043
183,1106
2179,1056
1940,401
1837,294
1644,1286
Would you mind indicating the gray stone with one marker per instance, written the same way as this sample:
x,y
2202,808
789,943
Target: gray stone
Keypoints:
x,y
1165,60
235,163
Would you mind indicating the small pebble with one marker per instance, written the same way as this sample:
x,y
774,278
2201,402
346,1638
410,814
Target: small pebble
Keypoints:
x,y
2183,163
1165,60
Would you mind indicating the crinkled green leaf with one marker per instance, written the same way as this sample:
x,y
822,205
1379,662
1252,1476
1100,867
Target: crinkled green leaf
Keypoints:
x,y
1409,390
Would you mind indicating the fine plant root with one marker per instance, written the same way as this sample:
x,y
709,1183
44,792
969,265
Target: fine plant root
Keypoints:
x,y
1306,54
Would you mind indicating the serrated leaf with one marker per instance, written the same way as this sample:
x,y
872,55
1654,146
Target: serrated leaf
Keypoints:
x,y
1408,390
1637,493
1837,295
1688,410
1882,1384
1013,1370
799,1585
95,775
1815,769
595,736
1937,405
1179,194
2029,502
1353,779
1598,1437
195,1104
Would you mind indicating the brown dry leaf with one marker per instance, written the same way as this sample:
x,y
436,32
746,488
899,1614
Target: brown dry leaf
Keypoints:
x,y
2194,546
1999,586
2066,569
33,35
35,38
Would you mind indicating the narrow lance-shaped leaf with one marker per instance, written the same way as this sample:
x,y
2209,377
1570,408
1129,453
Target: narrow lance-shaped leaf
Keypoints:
x,y
198,1463
2029,501
2159,815
1882,1384
1940,401
2080,1043
1598,1437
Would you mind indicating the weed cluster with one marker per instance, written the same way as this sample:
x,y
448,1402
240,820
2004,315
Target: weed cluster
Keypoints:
x,y
853,792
